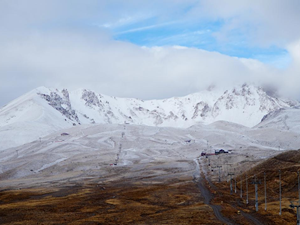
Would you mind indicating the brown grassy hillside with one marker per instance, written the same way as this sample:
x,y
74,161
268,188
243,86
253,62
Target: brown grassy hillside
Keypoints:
x,y
289,163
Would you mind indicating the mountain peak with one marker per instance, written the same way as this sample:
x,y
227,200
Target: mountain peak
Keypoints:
x,y
244,104
55,109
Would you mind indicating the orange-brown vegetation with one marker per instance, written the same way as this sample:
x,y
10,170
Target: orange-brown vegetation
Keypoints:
x,y
122,202
289,163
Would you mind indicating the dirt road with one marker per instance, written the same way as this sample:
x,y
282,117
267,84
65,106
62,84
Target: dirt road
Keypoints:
x,y
208,195
200,178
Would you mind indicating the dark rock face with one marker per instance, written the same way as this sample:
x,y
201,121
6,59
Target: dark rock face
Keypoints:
x,y
91,99
61,104
202,108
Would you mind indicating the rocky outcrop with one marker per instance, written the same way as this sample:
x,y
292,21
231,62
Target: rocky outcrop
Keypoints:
x,y
91,99
61,104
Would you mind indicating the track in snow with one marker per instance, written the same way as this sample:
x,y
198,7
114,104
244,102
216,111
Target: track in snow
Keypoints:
x,y
120,148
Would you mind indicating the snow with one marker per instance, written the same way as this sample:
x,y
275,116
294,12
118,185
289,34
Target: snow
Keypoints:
x,y
90,149
245,105
33,151
43,111
51,164
284,119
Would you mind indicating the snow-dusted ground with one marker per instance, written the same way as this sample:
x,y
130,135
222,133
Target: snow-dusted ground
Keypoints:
x,y
285,119
26,119
137,151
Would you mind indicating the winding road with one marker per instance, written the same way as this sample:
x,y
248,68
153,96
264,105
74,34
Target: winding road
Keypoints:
x,y
208,197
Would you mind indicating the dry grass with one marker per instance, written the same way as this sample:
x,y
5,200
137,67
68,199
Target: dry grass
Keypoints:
x,y
288,163
174,202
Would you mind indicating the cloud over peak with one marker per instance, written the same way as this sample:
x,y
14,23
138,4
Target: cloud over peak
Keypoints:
x,y
147,49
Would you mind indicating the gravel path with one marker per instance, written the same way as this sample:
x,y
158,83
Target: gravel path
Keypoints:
x,y
216,208
208,196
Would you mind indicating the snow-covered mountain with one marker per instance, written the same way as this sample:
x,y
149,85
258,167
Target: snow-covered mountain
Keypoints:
x,y
285,119
44,110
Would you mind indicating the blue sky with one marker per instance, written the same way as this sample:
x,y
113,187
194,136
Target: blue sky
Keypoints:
x,y
195,32
130,48
199,35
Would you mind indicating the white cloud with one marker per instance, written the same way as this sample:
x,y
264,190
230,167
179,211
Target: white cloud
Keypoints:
x,y
126,20
119,68
290,79
147,27
266,22
40,47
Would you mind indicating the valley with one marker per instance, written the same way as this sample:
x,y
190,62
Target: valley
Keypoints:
x,y
149,112
128,174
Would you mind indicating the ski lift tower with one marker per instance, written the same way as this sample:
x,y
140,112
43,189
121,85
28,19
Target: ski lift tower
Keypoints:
x,y
230,174
256,182
296,205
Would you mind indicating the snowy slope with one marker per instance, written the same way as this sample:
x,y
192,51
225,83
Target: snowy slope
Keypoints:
x,y
43,110
245,105
91,149
27,119
287,119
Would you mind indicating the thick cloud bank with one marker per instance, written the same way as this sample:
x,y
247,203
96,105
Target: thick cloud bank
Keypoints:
x,y
61,44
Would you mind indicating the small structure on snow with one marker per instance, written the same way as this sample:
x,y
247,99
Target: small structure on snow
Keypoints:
x,y
220,151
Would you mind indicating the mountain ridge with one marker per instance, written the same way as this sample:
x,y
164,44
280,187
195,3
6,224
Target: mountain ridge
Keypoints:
x,y
57,109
